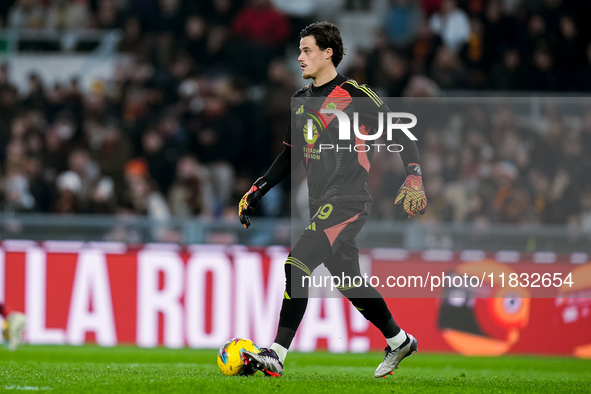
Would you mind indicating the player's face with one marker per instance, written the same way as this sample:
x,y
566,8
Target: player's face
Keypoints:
x,y
313,60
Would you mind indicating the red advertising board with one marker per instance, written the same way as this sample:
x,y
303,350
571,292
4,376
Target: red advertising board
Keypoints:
x,y
202,295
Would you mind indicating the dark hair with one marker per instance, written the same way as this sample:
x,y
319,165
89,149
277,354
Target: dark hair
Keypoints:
x,y
327,35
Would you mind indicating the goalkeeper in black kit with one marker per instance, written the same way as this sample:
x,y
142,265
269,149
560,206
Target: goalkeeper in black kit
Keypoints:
x,y
338,194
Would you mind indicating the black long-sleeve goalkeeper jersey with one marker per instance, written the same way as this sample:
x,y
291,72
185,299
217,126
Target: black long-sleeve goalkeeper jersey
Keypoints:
x,y
337,169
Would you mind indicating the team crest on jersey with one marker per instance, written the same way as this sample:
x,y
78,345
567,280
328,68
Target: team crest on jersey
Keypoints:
x,y
312,124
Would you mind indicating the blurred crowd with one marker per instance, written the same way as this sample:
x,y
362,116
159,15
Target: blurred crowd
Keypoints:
x,y
199,103
487,161
541,45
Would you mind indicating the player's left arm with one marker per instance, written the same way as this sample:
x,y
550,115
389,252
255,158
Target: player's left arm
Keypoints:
x,y
412,192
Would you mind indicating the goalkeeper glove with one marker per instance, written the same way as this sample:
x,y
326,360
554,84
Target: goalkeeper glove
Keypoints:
x,y
412,193
251,199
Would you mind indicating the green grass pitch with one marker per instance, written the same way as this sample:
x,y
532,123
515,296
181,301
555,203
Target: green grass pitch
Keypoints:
x,y
92,369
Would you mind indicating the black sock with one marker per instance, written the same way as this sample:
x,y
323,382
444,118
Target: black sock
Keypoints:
x,y
284,336
389,328
373,307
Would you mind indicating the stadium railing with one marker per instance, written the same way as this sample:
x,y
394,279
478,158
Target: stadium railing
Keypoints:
x,y
376,234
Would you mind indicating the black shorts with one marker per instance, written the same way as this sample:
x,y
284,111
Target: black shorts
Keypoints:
x,y
339,223
329,239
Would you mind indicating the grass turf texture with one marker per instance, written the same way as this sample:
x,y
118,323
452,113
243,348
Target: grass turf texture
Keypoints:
x,y
130,369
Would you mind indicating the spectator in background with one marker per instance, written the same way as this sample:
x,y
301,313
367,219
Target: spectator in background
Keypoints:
x,y
108,15
216,139
508,74
424,48
384,167
170,18
374,75
420,86
66,128
15,156
500,30
67,196
110,151
72,100
135,98
5,6
142,197
551,11
447,70
544,153
219,55
396,71
35,97
575,161
451,23
539,185
191,193
540,73
26,14
358,66
535,34
66,14
55,101
135,41
56,153
476,55
18,129
181,68
88,172
443,209
159,165
40,188
430,7
570,54
168,29
402,21
195,38
262,33
9,108
174,134
221,12
17,196
4,75
563,199
280,85
512,6
512,147
102,199
252,131
505,176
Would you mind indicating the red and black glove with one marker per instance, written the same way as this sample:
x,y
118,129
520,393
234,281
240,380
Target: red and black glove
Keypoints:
x,y
412,193
251,199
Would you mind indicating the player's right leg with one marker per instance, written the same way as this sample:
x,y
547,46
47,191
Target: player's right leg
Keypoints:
x,y
307,254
